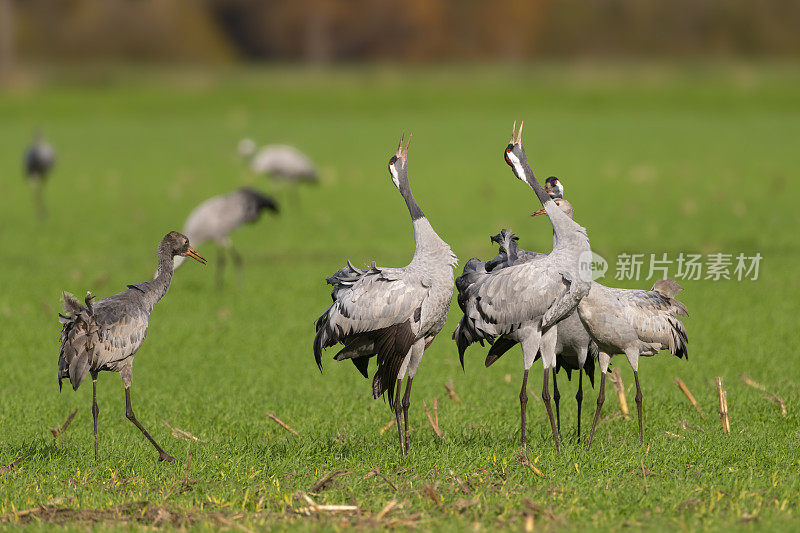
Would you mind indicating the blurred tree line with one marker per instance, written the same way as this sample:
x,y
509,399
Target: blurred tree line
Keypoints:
x,y
213,31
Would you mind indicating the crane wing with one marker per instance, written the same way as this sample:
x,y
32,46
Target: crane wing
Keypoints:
x,y
96,336
655,319
366,302
516,294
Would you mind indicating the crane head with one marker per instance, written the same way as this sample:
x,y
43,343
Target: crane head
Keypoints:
x,y
258,202
515,154
553,187
398,164
178,244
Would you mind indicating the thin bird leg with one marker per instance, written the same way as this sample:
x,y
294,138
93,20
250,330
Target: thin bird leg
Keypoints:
x,y
579,399
556,398
601,397
38,197
523,404
237,263
639,406
546,398
220,266
95,413
398,409
406,404
162,455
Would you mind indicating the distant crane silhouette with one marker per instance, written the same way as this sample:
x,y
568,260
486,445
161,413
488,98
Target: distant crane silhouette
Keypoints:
x,y
281,162
216,218
38,162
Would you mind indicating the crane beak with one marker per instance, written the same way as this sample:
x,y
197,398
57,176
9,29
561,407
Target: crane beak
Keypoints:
x,y
541,211
191,252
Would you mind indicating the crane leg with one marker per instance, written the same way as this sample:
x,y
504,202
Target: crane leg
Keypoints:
x,y
398,410
556,398
406,405
162,455
579,399
220,266
237,263
601,397
546,398
38,198
95,413
639,406
523,404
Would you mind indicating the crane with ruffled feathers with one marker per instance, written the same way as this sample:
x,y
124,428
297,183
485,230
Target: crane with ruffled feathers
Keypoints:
x,y
391,313
106,334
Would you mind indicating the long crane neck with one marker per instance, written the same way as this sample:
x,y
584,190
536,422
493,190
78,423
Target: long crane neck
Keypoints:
x,y
413,208
156,289
562,224
427,242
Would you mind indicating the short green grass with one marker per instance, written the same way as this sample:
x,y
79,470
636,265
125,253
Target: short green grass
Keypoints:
x,y
692,158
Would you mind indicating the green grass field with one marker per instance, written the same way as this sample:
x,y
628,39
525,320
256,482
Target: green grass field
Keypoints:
x,y
693,159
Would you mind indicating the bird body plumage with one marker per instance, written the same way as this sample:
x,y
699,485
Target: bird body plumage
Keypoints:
x,y
573,343
104,338
367,304
391,313
633,322
39,159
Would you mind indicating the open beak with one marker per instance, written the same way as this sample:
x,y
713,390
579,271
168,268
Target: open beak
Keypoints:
x,y
541,211
191,252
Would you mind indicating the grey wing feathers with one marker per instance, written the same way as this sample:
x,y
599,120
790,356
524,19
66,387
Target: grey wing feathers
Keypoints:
x,y
100,336
567,301
371,314
655,317
500,346
80,333
497,296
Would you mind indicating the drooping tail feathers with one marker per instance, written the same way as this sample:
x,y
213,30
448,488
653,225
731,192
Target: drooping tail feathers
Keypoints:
x,y
466,334
391,345
678,342
668,288
79,334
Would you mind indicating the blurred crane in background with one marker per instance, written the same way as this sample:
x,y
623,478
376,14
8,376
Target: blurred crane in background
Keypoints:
x,y
38,161
217,217
280,162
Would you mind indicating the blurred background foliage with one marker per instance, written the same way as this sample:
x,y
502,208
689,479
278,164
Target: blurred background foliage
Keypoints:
x,y
210,32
